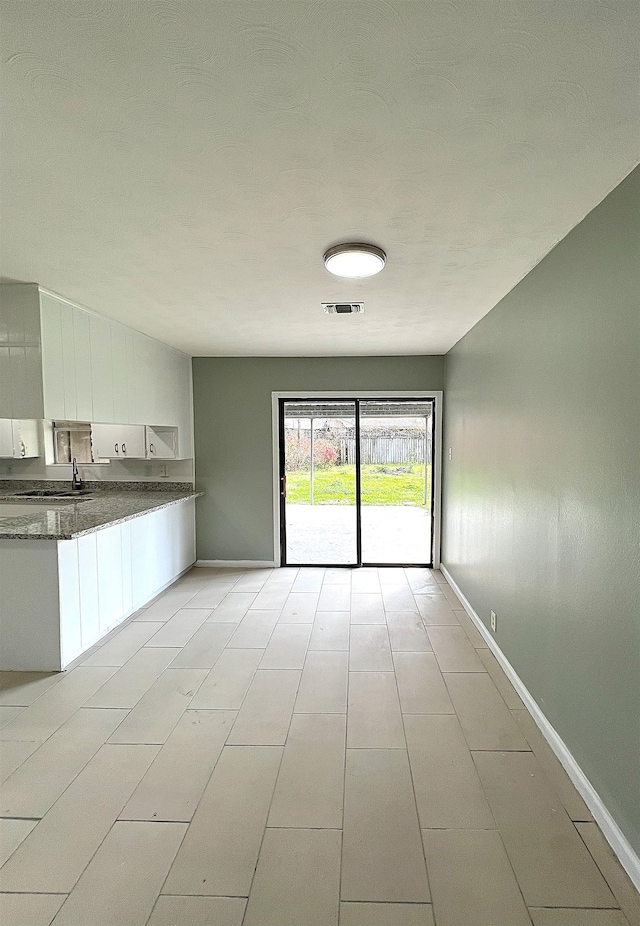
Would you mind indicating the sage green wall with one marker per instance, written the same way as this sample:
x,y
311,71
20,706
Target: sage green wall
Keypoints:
x,y
233,436
542,496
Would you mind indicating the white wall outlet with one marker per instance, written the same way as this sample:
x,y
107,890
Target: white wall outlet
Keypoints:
x,y
494,621
164,470
450,453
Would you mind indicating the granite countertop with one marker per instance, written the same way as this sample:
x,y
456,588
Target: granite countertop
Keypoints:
x,y
65,521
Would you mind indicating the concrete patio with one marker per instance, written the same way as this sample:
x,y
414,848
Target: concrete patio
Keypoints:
x,y
327,534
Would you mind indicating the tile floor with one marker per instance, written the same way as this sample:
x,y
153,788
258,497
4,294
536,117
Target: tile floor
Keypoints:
x,y
289,748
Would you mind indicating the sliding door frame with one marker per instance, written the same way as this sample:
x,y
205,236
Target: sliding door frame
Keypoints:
x,y
353,396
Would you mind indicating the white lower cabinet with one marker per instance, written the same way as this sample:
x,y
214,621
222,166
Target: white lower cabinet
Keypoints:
x,y
60,597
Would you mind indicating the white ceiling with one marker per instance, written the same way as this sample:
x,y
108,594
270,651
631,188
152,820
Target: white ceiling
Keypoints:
x,y
181,166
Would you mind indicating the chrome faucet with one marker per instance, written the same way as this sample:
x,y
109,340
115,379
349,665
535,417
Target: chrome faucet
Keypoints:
x,y
76,481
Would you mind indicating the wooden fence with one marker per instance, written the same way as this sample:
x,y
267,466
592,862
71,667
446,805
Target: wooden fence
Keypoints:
x,y
385,450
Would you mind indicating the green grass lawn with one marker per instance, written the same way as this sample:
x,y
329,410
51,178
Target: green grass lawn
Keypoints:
x,y
388,484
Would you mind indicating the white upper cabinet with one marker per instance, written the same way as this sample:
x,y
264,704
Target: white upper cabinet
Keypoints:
x,y
59,361
19,438
118,441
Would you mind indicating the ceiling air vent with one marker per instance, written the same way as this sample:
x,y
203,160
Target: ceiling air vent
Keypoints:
x,y
342,308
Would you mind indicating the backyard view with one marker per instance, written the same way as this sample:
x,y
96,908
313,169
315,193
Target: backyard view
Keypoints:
x,y
321,512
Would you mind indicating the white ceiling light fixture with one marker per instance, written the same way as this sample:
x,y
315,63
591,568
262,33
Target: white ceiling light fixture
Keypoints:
x,y
354,261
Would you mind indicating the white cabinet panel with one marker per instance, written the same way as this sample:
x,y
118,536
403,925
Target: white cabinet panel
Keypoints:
x,y
120,373
161,443
69,597
82,352
109,550
141,579
26,442
88,576
101,369
118,441
52,356
68,362
127,588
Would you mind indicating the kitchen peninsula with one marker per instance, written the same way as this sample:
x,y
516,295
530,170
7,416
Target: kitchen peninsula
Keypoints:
x,y
72,571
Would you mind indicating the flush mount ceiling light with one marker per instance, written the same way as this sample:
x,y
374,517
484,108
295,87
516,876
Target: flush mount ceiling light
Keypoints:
x,y
355,260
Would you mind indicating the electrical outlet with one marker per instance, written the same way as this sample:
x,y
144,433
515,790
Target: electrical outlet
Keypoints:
x,y
494,621
164,470
450,453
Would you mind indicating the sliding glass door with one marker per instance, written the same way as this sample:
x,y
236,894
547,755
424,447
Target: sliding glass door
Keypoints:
x,y
356,481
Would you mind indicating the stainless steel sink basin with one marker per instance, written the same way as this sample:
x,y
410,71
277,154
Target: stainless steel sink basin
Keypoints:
x,y
43,498
53,493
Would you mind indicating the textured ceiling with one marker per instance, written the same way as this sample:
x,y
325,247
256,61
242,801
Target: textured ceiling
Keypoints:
x,y
182,166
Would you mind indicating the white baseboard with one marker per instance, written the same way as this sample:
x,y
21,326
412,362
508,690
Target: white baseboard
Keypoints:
x,y
612,832
236,563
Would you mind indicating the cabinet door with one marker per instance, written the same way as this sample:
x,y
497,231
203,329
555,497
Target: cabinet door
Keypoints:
x,y
52,356
120,374
141,574
26,442
82,351
106,441
132,443
6,438
68,362
109,552
88,572
127,573
101,369
161,445
69,597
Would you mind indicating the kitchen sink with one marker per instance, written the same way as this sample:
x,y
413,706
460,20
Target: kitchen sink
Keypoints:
x,y
43,497
52,493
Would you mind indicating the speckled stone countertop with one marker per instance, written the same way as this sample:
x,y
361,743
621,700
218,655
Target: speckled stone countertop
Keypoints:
x,y
109,505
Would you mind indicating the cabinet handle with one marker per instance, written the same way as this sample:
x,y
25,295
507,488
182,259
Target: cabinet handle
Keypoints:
x,y
116,447
151,450
23,449
124,448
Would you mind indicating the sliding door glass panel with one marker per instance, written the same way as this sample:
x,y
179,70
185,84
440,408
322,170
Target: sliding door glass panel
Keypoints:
x,y
396,454
318,454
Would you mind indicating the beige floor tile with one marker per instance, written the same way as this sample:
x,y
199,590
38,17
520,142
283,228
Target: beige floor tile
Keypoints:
x,y
38,783
330,631
625,893
122,881
435,610
13,754
407,633
309,790
174,784
439,577
126,641
562,916
227,683
271,598
418,576
179,629
382,857
8,713
475,637
421,684
205,646
252,581
198,911
386,914
453,650
447,787
212,594
392,576
254,630
369,649
367,608
53,708
156,714
29,909
23,688
451,597
553,770
300,608
168,604
308,579
487,894
335,598
365,580
297,879
398,598
485,719
12,833
263,719
287,647
126,687
374,720
552,864
56,852
337,575
324,682
233,607
283,577
219,853
509,695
